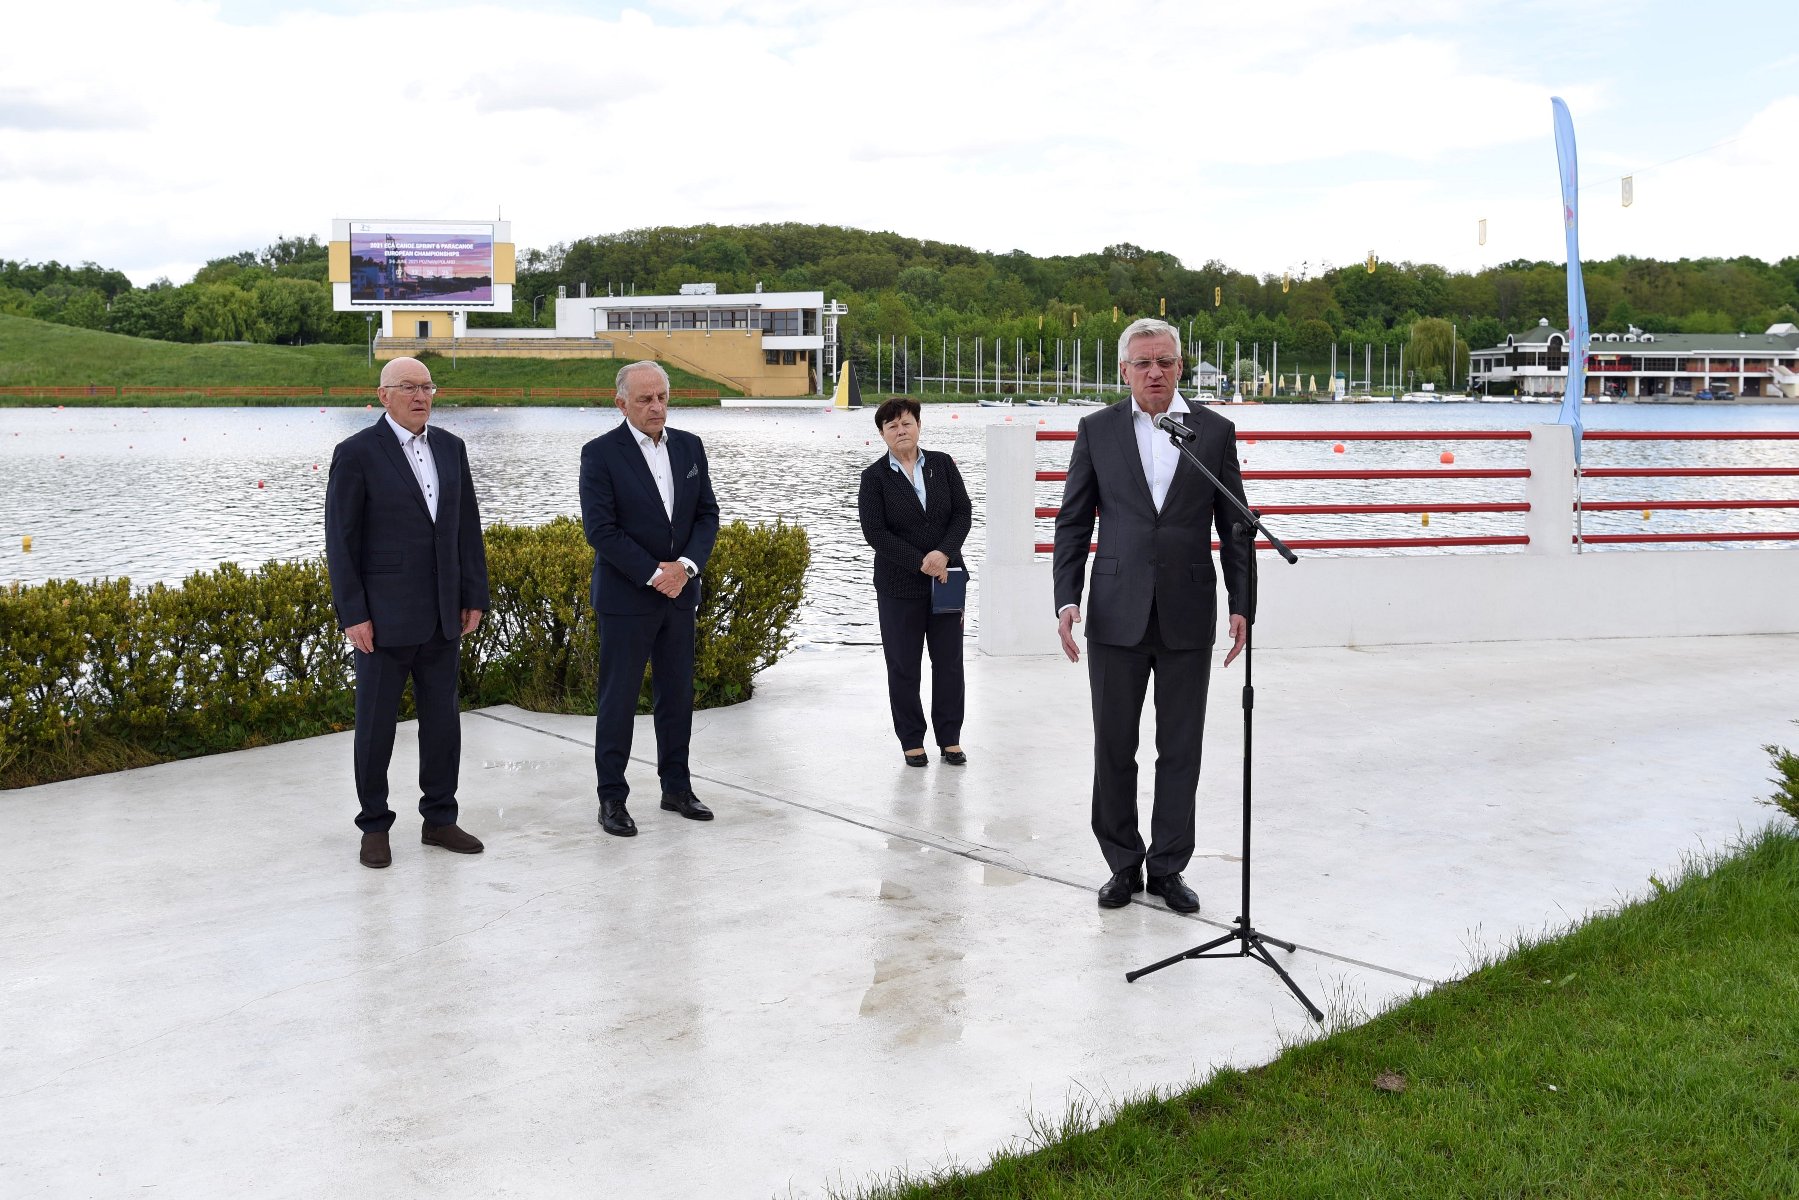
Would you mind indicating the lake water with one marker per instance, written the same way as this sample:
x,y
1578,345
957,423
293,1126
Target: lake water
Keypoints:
x,y
154,494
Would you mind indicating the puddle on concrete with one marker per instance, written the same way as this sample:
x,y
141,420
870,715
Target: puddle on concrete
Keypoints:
x,y
992,876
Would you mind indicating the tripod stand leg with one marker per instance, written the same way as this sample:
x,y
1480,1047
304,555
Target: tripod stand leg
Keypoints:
x,y
1289,947
1134,976
1254,941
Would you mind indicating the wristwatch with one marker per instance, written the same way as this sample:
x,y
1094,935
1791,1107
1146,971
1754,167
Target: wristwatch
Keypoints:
x,y
689,568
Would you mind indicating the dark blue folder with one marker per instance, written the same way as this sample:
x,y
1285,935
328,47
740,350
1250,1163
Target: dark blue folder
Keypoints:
x,y
952,594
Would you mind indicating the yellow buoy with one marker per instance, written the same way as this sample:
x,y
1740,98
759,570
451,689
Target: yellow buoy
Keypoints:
x,y
25,544
1425,519
1645,514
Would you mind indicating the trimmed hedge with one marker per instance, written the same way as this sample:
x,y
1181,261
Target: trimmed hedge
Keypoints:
x,y
97,676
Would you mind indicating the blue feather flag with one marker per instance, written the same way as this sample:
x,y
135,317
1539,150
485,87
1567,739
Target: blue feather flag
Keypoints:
x,y
1577,292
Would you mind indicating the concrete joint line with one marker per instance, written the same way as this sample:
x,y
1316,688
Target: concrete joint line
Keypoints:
x,y
974,851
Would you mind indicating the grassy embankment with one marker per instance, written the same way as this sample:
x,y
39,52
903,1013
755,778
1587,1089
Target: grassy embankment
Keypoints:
x,y
37,352
1653,1052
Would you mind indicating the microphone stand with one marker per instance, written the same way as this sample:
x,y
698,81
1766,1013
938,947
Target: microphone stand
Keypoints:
x,y
1250,942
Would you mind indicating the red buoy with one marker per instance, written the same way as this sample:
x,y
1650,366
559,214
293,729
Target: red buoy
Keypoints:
x,y
1447,456
1337,448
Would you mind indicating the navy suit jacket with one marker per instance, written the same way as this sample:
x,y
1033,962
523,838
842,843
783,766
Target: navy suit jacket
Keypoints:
x,y
1145,556
389,562
629,530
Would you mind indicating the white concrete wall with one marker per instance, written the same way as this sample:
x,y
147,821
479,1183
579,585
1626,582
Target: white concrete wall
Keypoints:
x,y
1546,592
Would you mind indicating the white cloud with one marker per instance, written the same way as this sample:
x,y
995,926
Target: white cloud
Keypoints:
x,y
1260,135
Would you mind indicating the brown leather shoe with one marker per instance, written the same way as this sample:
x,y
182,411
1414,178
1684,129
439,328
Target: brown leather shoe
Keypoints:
x,y
451,837
375,850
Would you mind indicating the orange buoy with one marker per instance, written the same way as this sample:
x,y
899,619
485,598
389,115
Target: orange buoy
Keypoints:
x,y
1337,449
1448,456
1249,441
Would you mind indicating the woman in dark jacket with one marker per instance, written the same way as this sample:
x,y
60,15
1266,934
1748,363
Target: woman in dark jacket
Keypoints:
x,y
915,513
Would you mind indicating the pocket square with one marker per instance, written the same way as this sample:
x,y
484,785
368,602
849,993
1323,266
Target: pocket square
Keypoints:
x,y
693,470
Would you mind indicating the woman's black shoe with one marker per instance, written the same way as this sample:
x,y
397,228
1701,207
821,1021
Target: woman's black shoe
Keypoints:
x,y
921,759
955,758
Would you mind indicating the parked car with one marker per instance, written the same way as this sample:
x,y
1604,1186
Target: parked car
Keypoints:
x,y
1723,393
1704,394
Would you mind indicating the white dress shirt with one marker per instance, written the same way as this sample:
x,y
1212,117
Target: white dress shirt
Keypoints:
x,y
1156,450
655,456
418,456
915,479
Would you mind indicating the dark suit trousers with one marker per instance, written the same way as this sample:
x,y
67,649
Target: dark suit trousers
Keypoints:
x,y
908,626
664,640
1118,677
380,681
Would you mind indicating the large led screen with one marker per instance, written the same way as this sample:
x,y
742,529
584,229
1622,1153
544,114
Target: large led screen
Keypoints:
x,y
426,263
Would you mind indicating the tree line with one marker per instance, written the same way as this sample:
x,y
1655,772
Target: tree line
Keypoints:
x,y
900,287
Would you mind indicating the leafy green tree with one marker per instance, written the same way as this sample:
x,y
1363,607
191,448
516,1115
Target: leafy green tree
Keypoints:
x,y
152,312
222,313
293,311
1432,349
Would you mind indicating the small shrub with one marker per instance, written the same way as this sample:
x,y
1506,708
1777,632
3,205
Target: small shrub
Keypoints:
x,y
1785,781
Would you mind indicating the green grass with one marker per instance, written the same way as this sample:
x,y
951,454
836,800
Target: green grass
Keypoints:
x,y
1653,1052
38,352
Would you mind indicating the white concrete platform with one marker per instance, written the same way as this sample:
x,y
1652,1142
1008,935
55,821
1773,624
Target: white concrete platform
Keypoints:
x,y
858,967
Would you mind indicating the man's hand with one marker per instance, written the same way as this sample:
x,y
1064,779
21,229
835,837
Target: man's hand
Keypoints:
x,y
1065,627
471,620
362,636
671,577
1239,635
936,565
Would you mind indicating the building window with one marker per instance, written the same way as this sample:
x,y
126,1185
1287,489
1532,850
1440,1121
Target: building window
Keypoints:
x,y
687,318
771,358
781,322
730,318
789,358
1659,364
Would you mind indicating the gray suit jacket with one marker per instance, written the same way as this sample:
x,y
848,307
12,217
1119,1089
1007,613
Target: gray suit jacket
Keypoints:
x,y
1145,556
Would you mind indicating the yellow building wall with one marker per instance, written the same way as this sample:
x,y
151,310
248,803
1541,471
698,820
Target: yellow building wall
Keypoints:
x,y
732,356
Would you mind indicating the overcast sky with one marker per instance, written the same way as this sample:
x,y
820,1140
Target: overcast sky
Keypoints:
x,y
152,135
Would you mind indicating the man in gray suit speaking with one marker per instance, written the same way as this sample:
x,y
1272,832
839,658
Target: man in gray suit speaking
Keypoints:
x,y
1154,603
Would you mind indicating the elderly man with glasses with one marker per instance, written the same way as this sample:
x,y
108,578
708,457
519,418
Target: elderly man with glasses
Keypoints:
x,y
409,581
1153,604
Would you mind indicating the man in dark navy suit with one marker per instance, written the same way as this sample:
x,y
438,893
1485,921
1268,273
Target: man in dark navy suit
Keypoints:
x,y
647,506
408,580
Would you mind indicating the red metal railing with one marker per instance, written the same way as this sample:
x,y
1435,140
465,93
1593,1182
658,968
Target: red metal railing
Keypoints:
x,y
1410,435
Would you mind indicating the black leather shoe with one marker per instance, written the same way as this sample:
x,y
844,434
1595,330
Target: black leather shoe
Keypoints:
x,y
687,804
1174,893
954,758
615,820
921,759
1118,890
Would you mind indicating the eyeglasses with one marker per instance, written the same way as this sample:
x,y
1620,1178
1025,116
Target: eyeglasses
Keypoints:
x,y
412,389
1144,364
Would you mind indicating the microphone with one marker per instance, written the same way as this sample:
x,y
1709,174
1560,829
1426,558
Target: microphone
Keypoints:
x,y
1174,429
